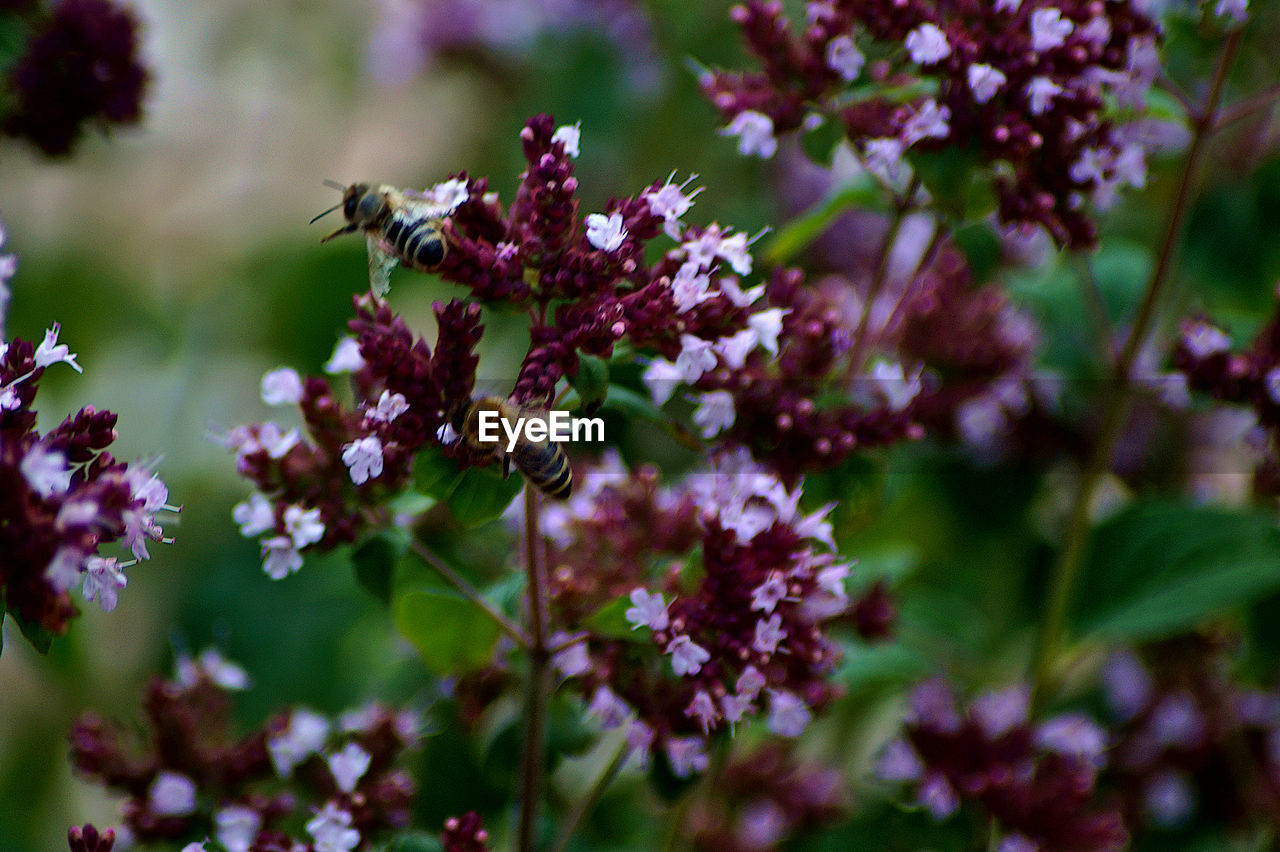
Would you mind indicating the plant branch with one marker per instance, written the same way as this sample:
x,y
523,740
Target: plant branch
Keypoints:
x,y
469,592
940,234
862,334
1263,100
1066,569
539,685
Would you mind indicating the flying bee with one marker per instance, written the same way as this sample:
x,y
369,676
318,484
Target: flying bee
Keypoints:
x,y
543,463
401,226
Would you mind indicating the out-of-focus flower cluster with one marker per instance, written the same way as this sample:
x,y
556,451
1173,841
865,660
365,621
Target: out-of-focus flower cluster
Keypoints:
x,y
63,496
465,834
1024,85
80,66
746,637
1192,743
763,798
1250,378
981,382
189,776
588,286
1038,781
834,377
409,36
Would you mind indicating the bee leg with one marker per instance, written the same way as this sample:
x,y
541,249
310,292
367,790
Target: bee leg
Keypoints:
x,y
506,467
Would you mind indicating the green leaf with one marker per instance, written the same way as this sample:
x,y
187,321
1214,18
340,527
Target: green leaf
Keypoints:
x,y
610,621
633,405
819,143
375,561
40,638
948,174
481,494
892,562
15,33
981,248
449,632
1162,567
861,192
416,841
669,786
474,495
867,667
568,732
591,381
434,473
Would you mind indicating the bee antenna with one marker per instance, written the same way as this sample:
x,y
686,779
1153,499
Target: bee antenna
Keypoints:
x,y
333,184
325,213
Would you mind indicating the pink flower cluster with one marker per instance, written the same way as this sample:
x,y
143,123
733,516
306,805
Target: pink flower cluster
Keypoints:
x,y
744,639
1191,741
192,777
587,285
63,496
764,797
1023,84
1038,781
319,491
1250,378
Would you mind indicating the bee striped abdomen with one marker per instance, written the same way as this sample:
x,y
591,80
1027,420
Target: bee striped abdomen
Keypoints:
x,y
418,243
547,467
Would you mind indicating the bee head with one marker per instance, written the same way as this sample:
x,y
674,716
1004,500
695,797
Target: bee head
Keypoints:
x,y
361,205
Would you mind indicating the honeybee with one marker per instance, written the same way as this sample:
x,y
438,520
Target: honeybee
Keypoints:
x,y
401,226
543,463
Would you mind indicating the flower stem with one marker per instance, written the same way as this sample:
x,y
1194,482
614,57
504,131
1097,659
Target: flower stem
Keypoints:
x,y
862,334
1066,570
539,685
469,592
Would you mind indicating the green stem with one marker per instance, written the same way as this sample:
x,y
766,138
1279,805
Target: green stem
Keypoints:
x,y
539,685
469,592
1066,569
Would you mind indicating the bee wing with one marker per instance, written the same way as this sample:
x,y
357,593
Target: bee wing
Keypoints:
x,y
381,261
419,205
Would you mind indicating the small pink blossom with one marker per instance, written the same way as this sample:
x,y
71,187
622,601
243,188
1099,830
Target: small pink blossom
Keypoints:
x,y
687,656
363,457
768,634
927,45
51,352
985,81
755,134
844,58
647,610
1049,29
788,715
606,232
282,386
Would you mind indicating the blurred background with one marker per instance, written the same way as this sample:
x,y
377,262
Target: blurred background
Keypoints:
x,y
177,257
